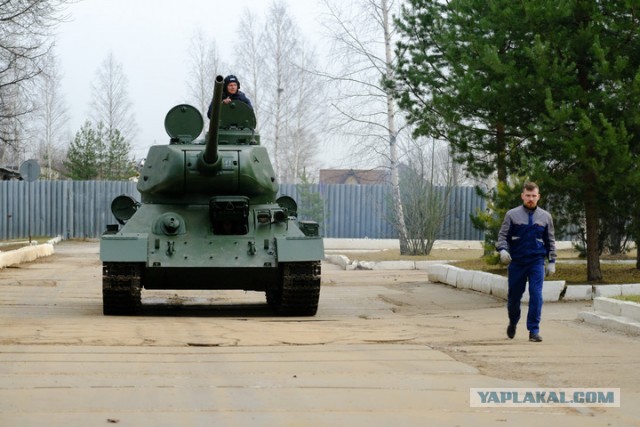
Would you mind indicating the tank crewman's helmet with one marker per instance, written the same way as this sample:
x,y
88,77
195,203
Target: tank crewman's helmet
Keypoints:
x,y
231,79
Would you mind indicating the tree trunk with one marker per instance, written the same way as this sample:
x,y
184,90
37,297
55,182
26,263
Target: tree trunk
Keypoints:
x,y
276,139
501,157
591,216
393,150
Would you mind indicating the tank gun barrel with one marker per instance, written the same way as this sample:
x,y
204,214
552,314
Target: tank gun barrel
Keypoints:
x,y
210,155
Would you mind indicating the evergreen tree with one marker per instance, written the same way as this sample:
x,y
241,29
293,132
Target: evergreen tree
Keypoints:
x,y
101,151
467,76
97,154
311,202
538,88
120,167
82,161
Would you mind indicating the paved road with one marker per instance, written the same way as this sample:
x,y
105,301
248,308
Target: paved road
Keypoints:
x,y
385,348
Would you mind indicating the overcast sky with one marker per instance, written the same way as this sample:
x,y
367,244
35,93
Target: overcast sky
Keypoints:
x,y
151,40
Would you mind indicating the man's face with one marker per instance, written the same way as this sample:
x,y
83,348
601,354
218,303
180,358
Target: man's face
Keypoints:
x,y
530,198
232,88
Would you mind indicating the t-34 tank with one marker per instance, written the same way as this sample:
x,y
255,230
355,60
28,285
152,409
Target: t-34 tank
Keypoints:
x,y
209,220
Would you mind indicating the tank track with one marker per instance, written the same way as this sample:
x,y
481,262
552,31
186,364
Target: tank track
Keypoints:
x,y
298,292
121,288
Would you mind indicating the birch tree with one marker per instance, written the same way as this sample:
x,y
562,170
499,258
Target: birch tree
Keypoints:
x,y
110,99
363,37
51,119
250,60
274,64
205,64
302,144
280,49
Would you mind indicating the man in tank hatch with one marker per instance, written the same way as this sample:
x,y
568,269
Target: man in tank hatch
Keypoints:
x,y
231,92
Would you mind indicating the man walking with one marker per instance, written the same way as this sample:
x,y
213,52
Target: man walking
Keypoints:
x,y
525,239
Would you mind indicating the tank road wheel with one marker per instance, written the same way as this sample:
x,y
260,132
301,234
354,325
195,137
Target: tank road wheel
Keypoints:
x,y
121,287
298,292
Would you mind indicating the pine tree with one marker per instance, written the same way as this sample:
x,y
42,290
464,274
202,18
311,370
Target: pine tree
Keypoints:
x,y
538,88
82,162
120,166
97,154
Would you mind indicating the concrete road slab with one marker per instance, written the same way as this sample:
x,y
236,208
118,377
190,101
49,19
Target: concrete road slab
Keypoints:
x,y
386,348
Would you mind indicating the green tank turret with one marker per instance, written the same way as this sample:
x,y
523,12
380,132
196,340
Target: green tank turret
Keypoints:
x,y
209,219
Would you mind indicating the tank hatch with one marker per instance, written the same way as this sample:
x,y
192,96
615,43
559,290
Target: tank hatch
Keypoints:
x,y
123,207
237,115
183,123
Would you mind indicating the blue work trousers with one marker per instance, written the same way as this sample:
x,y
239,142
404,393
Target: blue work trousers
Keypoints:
x,y
518,275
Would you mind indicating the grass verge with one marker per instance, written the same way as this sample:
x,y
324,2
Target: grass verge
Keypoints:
x,y
631,298
471,259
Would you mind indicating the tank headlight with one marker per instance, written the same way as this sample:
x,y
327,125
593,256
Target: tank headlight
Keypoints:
x,y
279,215
264,217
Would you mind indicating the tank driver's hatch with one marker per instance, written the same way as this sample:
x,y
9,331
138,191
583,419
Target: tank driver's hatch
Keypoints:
x,y
183,123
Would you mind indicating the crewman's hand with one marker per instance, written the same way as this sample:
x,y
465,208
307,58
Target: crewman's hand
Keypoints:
x,y
505,257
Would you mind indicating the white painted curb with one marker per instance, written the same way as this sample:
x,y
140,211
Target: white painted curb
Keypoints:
x,y
614,314
28,253
618,308
492,284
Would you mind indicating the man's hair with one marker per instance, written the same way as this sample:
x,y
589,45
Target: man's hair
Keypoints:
x,y
530,186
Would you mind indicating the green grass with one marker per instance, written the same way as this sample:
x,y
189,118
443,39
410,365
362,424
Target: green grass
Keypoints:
x,y
631,298
471,259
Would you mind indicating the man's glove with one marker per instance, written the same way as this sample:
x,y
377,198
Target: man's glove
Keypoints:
x,y
505,257
550,269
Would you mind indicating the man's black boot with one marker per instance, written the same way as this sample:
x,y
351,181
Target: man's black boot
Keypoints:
x,y
511,330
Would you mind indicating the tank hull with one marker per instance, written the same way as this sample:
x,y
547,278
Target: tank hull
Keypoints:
x,y
272,257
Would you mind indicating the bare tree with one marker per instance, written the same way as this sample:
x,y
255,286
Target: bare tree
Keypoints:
x,y
110,99
281,49
51,119
250,59
205,64
302,144
289,97
15,107
25,38
363,37
429,177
